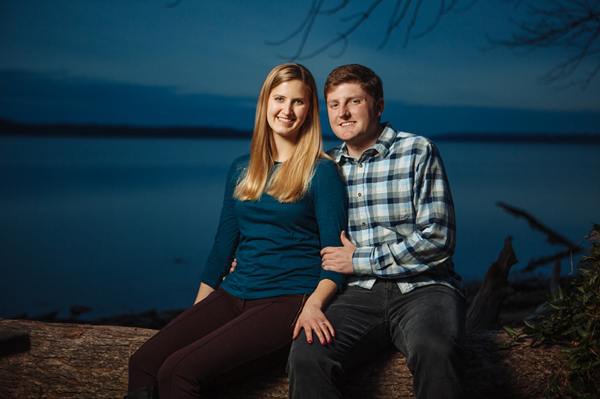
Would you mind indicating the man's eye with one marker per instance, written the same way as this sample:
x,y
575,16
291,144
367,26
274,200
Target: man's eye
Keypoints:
x,y
333,105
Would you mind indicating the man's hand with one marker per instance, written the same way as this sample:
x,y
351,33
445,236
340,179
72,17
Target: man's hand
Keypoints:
x,y
339,259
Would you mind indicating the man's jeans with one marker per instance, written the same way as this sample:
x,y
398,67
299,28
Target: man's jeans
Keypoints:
x,y
426,324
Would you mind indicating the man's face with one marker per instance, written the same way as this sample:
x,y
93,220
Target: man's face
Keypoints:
x,y
354,115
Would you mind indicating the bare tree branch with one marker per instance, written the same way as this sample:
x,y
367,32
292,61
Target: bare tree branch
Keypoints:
x,y
307,23
342,36
398,16
545,260
570,24
444,10
174,4
553,238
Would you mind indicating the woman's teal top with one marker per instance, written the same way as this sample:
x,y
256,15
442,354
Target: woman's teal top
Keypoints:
x,y
277,245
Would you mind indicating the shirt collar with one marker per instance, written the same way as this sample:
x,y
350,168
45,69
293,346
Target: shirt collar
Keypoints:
x,y
381,146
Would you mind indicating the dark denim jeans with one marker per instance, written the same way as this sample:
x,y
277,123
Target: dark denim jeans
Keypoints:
x,y
427,325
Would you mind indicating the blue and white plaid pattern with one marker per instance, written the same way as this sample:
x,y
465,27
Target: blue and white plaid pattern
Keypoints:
x,y
401,214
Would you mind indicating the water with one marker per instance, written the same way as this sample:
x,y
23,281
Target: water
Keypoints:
x,y
125,225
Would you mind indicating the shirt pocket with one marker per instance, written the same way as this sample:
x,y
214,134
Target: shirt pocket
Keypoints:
x,y
391,203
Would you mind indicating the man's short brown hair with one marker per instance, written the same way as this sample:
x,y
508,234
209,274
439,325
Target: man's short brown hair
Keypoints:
x,y
355,73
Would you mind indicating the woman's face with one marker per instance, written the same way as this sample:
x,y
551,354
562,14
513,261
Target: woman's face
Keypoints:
x,y
289,103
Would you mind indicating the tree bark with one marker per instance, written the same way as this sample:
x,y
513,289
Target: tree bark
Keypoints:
x,y
87,361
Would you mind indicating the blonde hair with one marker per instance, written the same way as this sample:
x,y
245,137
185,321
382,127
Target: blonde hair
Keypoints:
x,y
291,180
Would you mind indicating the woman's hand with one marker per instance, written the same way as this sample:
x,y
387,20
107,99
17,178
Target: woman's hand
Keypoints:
x,y
312,318
203,292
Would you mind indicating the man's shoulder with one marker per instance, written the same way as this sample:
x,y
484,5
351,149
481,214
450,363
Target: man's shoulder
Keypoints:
x,y
392,137
406,138
333,152
409,144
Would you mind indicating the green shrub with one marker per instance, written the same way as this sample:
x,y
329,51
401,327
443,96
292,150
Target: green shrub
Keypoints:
x,y
574,322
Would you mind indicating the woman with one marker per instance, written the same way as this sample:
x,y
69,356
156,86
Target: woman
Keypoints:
x,y
283,203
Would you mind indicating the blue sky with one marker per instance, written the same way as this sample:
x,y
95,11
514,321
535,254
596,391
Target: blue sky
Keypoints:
x,y
202,63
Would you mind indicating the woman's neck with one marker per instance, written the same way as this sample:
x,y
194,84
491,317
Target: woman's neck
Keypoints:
x,y
283,149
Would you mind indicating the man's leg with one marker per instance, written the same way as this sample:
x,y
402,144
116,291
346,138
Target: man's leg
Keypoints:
x,y
428,326
361,331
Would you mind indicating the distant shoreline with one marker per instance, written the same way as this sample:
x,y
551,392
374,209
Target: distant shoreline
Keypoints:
x,y
10,128
520,138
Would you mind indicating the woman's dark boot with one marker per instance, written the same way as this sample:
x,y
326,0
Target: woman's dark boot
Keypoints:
x,y
143,393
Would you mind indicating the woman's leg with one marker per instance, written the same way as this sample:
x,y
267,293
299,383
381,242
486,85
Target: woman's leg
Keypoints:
x,y
265,326
193,324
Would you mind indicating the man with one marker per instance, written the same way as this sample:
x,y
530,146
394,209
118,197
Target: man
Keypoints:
x,y
402,288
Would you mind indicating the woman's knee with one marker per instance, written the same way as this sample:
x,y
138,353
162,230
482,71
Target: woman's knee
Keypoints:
x,y
140,359
174,376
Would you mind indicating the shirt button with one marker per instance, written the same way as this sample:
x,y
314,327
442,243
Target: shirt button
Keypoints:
x,y
363,224
360,194
360,165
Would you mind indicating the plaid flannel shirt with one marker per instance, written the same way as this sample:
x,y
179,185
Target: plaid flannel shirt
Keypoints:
x,y
401,214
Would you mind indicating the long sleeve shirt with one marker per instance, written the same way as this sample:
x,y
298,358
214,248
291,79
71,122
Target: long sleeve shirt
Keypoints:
x,y
277,245
401,214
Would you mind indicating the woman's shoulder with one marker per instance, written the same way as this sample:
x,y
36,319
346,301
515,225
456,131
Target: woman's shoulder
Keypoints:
x,y
242,160
239,164
327,168
326,165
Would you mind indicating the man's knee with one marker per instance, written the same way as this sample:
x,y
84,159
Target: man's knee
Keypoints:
x,y
305,358
301,355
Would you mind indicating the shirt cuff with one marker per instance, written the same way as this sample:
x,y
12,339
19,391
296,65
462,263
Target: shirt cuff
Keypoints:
x,y
361,261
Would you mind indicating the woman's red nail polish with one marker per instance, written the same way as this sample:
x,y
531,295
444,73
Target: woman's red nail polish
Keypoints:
x,y
310,341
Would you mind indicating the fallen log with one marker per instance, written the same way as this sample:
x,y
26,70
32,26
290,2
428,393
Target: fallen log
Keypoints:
x,y
87,361
79,360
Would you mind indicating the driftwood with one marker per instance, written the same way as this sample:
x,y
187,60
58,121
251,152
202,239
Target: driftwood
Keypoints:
x,y
86,361
552,237
90,361
483,313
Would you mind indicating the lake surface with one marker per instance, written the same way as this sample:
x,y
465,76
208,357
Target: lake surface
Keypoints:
x,y
125,225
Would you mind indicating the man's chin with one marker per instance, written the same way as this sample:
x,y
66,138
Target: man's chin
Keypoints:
x,y
345,136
